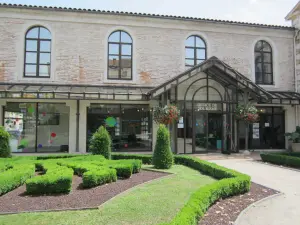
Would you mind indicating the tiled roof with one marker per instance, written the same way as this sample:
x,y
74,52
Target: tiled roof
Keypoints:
x,y
65,9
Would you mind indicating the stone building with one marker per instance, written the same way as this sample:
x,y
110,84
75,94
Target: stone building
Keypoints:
x,y
64,72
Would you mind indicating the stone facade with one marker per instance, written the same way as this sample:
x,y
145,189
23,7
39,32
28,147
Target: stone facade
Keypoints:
x,y
79,46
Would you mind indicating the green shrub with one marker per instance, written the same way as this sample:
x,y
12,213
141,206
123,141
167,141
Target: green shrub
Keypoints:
x,y
81,167
57,179
45,157
100,143
146,159
162,156
123,170
5,150
135,163
286,159
15,177
95,178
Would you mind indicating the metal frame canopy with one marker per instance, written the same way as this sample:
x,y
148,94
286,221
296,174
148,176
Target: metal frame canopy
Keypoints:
x,y
221,72
285,97
73,92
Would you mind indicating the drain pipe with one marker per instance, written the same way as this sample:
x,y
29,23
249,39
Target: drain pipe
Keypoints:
x,y
295,75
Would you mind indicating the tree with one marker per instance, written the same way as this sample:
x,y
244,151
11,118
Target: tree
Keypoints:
x,y
5,150
162,156
101,143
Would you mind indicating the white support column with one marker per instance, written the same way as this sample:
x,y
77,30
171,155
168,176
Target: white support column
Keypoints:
x,y
290,121
72,126
153,104
2,103
82,125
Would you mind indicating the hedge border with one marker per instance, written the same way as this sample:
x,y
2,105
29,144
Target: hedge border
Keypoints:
x,y
57,179
15,177
282,158
231,183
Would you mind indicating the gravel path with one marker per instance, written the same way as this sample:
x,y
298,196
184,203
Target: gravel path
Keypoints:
x,y
281,210
18,201
226,211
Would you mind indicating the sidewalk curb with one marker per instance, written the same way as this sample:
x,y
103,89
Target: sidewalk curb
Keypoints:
x,y
255,204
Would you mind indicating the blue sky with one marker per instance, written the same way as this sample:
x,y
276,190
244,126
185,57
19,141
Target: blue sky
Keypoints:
x,y
258,11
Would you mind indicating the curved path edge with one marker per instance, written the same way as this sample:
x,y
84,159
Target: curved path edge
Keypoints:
x,y
254,204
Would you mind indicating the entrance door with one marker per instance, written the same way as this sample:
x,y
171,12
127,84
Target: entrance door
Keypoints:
x,y
268,133
207,131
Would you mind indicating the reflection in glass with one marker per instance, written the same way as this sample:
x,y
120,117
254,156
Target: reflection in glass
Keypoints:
x,y
128,125
125,38
33,33
45,46
37,52
31,45
263,63
195,50
118,50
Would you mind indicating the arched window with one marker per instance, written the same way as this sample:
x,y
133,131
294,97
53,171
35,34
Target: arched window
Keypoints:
x,y
263,63
120,56
195,51
37,52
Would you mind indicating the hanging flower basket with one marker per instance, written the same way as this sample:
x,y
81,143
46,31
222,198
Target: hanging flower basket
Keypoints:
x,y
247,113
166,115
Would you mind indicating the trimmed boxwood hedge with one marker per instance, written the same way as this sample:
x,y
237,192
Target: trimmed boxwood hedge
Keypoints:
x,y
15,177
45,157
230,183
93,174
285,159
146,159
57,179
95,178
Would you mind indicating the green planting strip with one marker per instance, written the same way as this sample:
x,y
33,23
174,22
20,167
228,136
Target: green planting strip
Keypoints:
x,y
15,177
92,175
230,183
57,179
285,159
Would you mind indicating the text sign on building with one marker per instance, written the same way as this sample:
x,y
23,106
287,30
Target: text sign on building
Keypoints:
x,y
206,106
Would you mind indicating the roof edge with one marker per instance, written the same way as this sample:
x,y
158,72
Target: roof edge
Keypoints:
x,y
290,14
148,15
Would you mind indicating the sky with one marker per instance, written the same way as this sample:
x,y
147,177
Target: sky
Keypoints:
x,y
256,11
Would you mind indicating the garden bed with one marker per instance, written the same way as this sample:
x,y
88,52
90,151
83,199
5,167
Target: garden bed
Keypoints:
x,y
78,198
226,211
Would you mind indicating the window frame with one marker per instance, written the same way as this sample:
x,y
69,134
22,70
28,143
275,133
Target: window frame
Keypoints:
x,y
38,53
262,53
194,47
120,55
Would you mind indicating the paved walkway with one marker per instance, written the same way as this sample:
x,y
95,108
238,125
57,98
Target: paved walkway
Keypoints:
x,y
281,210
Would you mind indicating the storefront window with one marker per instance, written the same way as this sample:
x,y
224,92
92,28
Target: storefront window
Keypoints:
x,y
128,125
37,127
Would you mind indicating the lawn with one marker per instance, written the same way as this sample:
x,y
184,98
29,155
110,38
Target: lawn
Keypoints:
x,y
150,203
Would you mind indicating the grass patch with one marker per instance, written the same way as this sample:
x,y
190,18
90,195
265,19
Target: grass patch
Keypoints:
x,y
151,203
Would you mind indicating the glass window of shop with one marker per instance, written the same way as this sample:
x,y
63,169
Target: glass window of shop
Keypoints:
x,y
129,125
37,127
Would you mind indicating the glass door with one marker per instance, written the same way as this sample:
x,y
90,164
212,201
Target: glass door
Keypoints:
x,y
200,134
207,131
20,122
214,123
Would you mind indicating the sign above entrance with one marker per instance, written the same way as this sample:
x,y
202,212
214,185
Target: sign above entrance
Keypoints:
x,y
206,106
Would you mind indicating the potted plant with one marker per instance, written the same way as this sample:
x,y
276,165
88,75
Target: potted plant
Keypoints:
x,y
295,138
166,115
247,113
